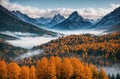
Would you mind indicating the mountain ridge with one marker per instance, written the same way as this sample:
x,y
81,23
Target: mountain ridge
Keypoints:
x,y
10,22
55,20
74,21
109,21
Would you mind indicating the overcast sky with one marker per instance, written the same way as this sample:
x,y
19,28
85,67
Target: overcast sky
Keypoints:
x,y
48,8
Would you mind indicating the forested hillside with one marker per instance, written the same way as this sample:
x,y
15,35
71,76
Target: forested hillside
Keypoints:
x,y
104,50
8,52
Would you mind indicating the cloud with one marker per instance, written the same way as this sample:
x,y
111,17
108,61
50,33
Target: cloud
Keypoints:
x,y
115,5
29,54
28,40
36,13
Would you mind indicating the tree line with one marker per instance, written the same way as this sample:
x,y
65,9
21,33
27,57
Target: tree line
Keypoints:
x,y
52,68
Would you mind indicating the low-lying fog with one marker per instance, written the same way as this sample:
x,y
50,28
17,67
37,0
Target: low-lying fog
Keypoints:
x,y
29,40
77,32
112,70
29,54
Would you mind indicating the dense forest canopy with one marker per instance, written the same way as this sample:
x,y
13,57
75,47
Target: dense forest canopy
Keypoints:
x,y
52,68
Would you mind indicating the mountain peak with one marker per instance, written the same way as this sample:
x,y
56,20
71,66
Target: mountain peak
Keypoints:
x,y
75,13
75,16
58,16
74,21
117,11
56,19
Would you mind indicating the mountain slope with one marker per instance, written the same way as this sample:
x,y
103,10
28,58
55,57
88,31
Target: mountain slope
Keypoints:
x,y
56,19
10,22
7,51
89,48
109,21
27,19
24,17
7,37
74,21
43,20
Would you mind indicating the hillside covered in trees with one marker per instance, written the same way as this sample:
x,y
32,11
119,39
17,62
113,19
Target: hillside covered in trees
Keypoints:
x,y
8,51
104,49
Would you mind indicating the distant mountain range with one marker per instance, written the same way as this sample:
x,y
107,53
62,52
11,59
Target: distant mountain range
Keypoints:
x,y
41,22
110,22
74,21
55,20
13,23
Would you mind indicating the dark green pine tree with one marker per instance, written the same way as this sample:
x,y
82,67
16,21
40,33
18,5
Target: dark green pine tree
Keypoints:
x,y
118,76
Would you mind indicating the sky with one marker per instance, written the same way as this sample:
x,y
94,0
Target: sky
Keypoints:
x,y
73,4
93,9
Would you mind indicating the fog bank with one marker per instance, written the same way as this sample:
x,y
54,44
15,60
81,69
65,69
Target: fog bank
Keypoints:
x,y
29,54
77,32
29,42
112,70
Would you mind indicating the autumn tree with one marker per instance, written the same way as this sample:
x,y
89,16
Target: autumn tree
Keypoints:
x,y
32,73
13,70
94,70
87,72
51,70
3,70
42,68
58,67
78,68
24,73
102,74
66,69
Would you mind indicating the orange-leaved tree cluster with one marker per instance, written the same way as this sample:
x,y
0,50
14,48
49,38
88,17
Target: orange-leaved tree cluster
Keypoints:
x,y
52,68
104,49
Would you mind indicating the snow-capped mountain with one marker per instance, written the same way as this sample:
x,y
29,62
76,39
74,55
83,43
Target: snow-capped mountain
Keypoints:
x,y
27,19
74,21
109,21
24,17
56,19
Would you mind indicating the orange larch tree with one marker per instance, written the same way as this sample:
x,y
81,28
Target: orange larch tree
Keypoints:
x,y
32,73
51,70
58,67
3,70
42,68
24,73
66,69
13,70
